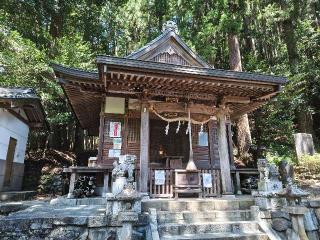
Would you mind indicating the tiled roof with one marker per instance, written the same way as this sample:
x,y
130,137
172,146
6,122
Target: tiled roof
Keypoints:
x,y
197,71
18,93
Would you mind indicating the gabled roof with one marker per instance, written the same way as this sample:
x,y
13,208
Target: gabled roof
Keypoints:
x,y
27,100
168,42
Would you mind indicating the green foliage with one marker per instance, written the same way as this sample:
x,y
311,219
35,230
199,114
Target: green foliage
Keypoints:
x,y
73,51
50,184
311,162
276,159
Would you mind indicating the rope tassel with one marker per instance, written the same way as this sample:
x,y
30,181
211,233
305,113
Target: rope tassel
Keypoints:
x,y
167,129
178,128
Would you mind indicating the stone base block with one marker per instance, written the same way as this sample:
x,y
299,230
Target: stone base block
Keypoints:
x,y
17,196
269,186
268,203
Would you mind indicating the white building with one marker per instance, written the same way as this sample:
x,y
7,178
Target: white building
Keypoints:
x,y
20,111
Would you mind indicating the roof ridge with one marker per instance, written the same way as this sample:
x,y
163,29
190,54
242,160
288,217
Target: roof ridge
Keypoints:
x,y
149,43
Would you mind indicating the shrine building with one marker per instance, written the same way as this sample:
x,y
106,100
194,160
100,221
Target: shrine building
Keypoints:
x,y
172,110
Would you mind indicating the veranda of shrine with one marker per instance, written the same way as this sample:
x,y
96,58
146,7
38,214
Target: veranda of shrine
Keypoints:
x,y
170,109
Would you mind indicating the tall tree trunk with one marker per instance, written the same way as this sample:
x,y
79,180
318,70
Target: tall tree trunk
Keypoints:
x,y
243,130
304,117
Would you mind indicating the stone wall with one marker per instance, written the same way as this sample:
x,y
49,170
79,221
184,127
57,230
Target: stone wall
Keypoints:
x,y
281,222
70,228
66,228
32,221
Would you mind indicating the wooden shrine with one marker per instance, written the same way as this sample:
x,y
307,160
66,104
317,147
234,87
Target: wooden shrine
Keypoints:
x,y
168,107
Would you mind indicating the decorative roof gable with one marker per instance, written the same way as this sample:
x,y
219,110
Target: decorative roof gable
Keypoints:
x,y
169,48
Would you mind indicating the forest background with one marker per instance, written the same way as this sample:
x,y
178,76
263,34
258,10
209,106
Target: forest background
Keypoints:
x,y
279,37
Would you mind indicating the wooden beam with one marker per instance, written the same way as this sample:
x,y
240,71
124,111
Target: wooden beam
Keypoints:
x,y
14,113
224,155
144,147
161,107
235,99
35,125
207,79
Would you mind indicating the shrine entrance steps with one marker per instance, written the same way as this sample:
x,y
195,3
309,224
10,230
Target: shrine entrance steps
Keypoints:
x,y
205,219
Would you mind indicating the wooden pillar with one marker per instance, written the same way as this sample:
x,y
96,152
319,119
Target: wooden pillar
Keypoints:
x,y
144,147
101,131
213,144
230,146
226,181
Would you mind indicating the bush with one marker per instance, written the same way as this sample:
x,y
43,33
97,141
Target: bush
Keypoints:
x,y
312,163
276,159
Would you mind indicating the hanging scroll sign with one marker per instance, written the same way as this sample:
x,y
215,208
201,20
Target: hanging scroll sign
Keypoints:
x,y
114,153
115,129
117,143
207,180
159,177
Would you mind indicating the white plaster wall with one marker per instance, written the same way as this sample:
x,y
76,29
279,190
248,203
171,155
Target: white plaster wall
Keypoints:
x,y
10,126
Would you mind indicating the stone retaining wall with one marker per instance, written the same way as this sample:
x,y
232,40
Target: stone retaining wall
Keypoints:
x,y
66,228
17,223
281,222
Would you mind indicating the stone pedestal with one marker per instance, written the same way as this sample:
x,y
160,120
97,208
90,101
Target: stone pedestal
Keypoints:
x,y
268,186
296,214
127,219
268,201
115,205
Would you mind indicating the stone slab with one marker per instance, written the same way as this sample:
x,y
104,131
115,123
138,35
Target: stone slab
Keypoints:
x,y
17,195
63,201
303,144
314,203
7,208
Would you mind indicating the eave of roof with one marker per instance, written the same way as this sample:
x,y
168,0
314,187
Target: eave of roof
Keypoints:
x,y
92,75
23,96
196,71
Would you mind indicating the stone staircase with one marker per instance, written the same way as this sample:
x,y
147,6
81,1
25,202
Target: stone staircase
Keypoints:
x,y
205,219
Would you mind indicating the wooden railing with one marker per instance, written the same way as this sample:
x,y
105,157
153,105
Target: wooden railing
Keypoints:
x,y
215,190
166,190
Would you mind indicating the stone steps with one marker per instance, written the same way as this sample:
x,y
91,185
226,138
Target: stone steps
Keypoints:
x,y
174,229
197,205
231,218
208,216
219,236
